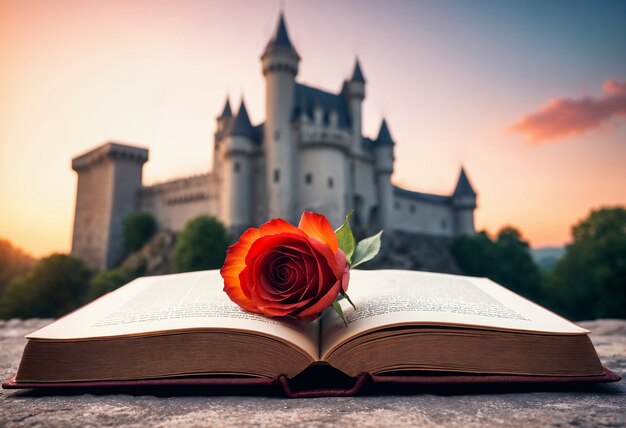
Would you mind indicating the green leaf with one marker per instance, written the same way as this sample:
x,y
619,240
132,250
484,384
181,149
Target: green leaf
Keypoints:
x,y
345,237
344,294
366,249
337,308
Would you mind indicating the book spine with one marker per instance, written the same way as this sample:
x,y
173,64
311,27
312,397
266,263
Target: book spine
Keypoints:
x,y
361,382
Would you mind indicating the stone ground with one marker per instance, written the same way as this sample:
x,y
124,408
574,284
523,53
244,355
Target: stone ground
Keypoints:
x,y
602,405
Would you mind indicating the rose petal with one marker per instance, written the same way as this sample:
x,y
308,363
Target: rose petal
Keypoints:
x,y
269,242
234,265
317,226
278,225
324,302
326,262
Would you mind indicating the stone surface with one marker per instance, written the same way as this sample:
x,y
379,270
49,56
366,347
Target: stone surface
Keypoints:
x,y
601,405
154,258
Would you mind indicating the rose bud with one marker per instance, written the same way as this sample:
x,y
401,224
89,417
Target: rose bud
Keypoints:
x,y
283,270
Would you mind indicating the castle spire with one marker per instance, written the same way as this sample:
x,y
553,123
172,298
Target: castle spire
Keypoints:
x,y
357,74
241,125
227,112
281,37
280,40
384,136
463,186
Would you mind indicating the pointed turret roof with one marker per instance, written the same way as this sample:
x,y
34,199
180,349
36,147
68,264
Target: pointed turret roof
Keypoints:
x,y
357,74
280,39
227,112
463,186
384,136
241,125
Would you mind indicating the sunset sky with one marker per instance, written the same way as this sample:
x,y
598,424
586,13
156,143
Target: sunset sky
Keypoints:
x,y
529,95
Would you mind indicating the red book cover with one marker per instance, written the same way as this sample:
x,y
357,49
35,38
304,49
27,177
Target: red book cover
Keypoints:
x,y
321,380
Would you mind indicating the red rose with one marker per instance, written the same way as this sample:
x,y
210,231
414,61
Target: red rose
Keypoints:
x,y
279,269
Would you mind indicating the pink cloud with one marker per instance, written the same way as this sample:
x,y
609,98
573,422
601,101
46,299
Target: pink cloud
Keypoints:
x,y
562,117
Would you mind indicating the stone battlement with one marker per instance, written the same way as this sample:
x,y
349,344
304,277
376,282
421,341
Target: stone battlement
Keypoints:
x,y
177,184
325,135
110,150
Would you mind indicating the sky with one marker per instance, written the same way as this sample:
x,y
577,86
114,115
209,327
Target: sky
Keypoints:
x,y
530,96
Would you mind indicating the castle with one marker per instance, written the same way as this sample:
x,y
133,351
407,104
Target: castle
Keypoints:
x,y
309,154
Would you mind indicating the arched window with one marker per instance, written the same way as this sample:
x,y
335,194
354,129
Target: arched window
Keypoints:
x,y
331,183
444,223
308,178
237,167
412,208
276,175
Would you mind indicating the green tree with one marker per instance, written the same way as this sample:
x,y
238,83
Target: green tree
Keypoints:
x,y
515,266
13,262
589,281
108,280
505,260
55,286
201,245
137,230
475,255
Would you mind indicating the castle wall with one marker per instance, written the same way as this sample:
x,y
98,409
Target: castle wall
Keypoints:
x,y
175,202
423,217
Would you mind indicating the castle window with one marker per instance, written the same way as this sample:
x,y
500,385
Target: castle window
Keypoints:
x,y
276,175
331,183
412,208
237,167
308,178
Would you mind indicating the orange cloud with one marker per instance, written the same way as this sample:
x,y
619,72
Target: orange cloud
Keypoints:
x,y
562,117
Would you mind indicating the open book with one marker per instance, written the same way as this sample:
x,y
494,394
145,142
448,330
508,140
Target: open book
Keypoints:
x,y
406,323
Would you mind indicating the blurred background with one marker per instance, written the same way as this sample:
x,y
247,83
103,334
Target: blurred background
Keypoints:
x,y
530,97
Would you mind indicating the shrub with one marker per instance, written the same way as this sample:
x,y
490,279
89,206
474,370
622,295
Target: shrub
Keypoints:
x,y
505,260
55,286
106,281
201,245
137,230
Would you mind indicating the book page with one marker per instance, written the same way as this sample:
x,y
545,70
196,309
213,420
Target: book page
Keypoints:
x,y
188,301
396,297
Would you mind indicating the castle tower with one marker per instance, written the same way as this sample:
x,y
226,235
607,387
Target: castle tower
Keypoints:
x,y
464,204
321,182
224,121
109,178
236,173
356,95
356,165
280,67
383,167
